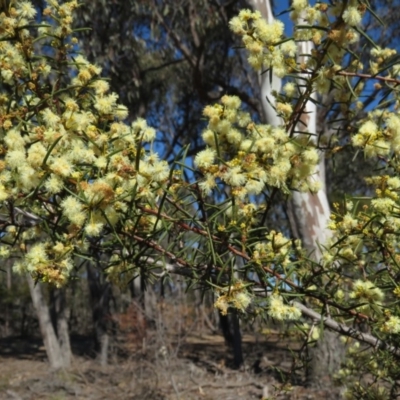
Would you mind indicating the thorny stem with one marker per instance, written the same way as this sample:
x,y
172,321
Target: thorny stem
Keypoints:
x,y
238,253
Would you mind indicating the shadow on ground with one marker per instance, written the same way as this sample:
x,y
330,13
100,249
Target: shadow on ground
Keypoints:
x,y
197,367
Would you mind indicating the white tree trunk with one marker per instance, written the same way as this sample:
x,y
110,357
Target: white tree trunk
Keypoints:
x,y
310,213
311,210
60,322
53,349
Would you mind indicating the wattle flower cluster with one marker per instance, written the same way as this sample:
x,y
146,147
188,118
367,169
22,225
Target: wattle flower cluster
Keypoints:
x,y
67,155
264,42
250,157
235,296
379,135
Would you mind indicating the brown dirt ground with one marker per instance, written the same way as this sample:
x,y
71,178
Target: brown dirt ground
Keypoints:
x,y
196,367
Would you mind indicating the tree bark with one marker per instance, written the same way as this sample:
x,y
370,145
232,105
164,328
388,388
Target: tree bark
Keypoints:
x,y
55,354
231,330
326,358
100,297
8,305
59,314
311,214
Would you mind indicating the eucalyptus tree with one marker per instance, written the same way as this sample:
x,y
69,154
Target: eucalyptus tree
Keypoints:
x,y
167,60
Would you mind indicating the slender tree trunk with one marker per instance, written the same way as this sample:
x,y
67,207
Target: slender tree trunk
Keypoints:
x,y
100,297
56,356
230,326
59,314
8,305
231,330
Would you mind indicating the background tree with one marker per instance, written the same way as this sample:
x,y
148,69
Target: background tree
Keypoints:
x,y
168,60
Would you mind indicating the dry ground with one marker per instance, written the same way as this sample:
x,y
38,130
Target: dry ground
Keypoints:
x,y
194,367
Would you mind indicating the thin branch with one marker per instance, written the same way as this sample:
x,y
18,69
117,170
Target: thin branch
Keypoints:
x,y
368,76
192,23
346,330
179,43
35,219
162,66
359,75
